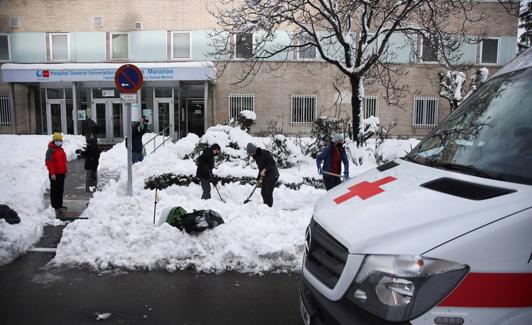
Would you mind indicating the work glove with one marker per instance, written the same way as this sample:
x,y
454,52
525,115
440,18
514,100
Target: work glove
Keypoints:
x,y
215,180
346,176
320,170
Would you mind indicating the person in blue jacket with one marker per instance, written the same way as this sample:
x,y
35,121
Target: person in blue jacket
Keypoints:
x,y
332,157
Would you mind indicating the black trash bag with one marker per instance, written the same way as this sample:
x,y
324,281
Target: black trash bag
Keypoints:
x,y
8,214
200,220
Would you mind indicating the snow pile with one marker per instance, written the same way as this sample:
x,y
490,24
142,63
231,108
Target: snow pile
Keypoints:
x,y
24,180
119,231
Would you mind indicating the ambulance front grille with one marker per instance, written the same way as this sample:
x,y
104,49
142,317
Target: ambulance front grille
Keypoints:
x,y
325,256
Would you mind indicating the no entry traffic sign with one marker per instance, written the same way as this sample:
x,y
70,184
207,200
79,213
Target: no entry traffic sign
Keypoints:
x,y
128,78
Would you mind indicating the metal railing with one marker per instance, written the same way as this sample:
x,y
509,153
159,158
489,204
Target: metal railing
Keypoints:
x,y
154,139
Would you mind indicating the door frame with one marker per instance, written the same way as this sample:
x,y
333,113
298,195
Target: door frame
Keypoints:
x,y
170,102
109,132
62,103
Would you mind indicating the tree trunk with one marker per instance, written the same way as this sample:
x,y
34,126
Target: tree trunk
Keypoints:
x,y
356,105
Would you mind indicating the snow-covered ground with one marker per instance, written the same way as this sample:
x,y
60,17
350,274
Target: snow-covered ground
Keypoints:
x,y
23,181
119,231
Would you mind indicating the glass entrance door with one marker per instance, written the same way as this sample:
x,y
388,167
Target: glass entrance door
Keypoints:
x,y
195,116
164,115
109,117
118,120
101,119
55,115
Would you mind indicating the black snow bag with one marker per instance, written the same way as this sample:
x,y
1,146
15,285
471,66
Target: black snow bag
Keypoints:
x,y
8,214
200,220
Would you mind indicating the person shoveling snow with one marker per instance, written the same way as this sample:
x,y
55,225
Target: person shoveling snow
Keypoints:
x,y
204,171
268,172
332,157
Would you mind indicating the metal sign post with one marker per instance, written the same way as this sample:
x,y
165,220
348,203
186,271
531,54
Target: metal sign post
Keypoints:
x,y
128,79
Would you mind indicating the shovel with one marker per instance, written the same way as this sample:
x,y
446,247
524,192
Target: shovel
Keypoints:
x,y
216,188
249,197
332,174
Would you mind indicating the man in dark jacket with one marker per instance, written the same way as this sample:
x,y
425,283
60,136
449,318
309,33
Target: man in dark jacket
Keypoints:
x,y
56,163
139,129
205,167
92,157
332,157
268,172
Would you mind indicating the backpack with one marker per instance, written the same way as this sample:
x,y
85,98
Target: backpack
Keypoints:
x,y
174,217
8,214
193,222
201,220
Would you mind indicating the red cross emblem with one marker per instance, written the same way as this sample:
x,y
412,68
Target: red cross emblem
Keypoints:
x,y
365,190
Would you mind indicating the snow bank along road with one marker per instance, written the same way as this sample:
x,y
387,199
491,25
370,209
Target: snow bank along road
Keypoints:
x,y
119,231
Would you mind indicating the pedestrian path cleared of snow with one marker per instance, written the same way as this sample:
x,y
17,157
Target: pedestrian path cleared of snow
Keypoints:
x,y
119,231
24,180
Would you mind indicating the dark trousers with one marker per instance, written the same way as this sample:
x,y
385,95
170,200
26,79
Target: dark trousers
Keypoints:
x,y
331,181
206,187
268,184
136,157
56,190
91,179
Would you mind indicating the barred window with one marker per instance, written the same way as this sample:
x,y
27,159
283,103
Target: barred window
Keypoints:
x,y
5,112
425,112
240,102
371,106
303,108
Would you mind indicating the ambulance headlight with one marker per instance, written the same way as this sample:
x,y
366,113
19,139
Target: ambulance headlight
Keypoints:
x,y
400,287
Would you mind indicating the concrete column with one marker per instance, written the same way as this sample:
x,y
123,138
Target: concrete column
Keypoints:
x,y
12,107
205,104
75,107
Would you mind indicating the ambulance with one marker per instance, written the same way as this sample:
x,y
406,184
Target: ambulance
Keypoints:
x,y
442,236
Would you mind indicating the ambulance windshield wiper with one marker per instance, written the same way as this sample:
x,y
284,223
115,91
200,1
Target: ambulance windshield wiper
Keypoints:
x,y
466,169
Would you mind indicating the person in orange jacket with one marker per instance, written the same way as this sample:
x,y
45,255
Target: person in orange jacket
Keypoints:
x,y
56,163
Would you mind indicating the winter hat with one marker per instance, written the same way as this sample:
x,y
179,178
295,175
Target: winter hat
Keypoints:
x,y
251,149
337,137
57,137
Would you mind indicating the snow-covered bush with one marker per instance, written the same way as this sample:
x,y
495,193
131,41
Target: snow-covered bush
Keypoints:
x,y
322,128
284,151
246,119
232,142
452,85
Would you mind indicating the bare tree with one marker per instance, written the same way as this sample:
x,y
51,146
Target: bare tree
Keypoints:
x,y
356,37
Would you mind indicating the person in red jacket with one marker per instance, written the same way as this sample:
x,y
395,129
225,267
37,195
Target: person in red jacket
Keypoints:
x,y
56,163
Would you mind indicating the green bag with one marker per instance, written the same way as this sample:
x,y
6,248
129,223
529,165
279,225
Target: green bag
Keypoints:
x,y
174,217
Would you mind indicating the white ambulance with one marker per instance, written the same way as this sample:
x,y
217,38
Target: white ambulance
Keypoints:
x,y
442,236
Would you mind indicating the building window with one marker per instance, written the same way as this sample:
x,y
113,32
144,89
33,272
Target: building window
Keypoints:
x,y
119,46
240,102
5,112
59,47
303,108
307,52
4,47
180,45
243,45
371,106
489,51
425,112
429,50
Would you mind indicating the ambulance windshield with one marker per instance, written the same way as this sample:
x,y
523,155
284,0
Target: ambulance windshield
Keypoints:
x,y
489,135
